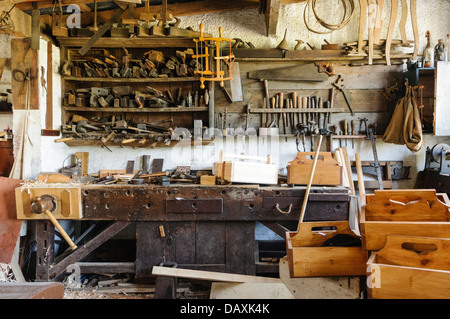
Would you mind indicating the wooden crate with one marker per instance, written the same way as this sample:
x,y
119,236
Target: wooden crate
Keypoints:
x,y
328,171
410,267
412,212
308,258
249,172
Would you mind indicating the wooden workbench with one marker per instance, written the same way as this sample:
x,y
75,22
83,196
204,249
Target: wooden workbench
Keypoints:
x,y
205,227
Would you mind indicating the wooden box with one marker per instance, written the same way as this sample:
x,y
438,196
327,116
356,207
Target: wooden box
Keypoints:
x,y
327,172
248,172
308,258
408,212
410,267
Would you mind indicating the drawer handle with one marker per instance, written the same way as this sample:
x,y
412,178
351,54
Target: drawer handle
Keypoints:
x,y
283,212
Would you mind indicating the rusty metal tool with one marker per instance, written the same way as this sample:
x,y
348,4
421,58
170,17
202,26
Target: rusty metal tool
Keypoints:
x,y
47,204
341,87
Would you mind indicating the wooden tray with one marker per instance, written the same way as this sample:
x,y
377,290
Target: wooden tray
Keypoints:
x,y
328,171
308,258
410,267
403,212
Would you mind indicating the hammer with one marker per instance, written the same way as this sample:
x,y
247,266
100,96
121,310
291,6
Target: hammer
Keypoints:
x,y
47,204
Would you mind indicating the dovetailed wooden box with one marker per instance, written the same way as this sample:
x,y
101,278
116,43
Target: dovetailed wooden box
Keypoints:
x,y
328,171
411,212
308,258
410,267
246,169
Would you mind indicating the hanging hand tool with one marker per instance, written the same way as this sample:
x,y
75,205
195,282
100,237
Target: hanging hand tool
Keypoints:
x,y
304,106
319,115
345,131
352,130
340,86
370,136
284,113
267,105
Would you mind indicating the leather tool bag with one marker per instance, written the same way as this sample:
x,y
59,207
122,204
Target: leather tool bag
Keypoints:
x,y
405,127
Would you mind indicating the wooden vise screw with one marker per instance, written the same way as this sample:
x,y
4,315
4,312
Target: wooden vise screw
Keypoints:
x,y
46,204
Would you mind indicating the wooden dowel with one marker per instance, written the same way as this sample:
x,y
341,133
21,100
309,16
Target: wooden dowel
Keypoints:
x,y
61,230
308,187
362,189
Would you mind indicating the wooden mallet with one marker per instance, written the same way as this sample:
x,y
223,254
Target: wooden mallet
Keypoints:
x,y
46,204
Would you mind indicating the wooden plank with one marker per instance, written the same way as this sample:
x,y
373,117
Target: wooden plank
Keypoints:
x,y
415,27
49,88
319,287
371,21
224,290
378,22
87,248
24,58
210,275
31,290
105,27
362,23
84,158
403,19
394,10
272,12
9,224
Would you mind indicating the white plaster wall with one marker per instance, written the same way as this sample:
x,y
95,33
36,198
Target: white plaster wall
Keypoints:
x,y
250,26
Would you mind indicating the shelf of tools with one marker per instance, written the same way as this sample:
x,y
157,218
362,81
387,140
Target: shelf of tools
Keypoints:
x,y
128,91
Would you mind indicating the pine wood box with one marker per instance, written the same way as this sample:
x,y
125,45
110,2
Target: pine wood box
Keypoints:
x,y
308,258
413,212
410,267
248,171
327,172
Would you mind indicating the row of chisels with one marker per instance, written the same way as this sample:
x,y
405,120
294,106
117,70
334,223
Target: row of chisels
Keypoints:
x,y
313,119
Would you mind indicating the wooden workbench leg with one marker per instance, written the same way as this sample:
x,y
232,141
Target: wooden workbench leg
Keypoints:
x,y
45,239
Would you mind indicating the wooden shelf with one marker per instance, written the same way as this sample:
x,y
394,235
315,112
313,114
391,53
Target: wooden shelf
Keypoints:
x,y
135,110
132,80
153,42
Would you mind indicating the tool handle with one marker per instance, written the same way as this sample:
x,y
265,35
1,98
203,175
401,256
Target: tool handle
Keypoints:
x,y
313,168
61,230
